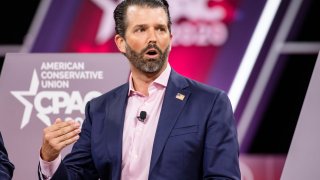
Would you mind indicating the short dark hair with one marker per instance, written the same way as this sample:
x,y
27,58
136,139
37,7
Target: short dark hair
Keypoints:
x,y
120,12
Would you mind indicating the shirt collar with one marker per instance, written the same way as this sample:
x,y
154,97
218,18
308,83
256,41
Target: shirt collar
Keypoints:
x,y
162,80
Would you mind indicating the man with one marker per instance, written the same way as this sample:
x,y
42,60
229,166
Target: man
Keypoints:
x,y
159,125
6,167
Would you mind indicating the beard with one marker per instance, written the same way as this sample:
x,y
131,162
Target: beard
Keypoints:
x,y
147,65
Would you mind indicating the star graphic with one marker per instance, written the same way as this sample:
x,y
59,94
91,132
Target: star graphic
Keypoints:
x,y
28,106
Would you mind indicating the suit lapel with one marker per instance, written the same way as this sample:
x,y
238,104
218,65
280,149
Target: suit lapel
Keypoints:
x,y
175,98
115,117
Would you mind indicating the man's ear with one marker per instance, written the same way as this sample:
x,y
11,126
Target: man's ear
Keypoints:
x,y
170,42
120,42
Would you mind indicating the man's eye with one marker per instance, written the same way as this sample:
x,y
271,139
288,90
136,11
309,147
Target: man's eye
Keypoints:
x,y
140,30
162,29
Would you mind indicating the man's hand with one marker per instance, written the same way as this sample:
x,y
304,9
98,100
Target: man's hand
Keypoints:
x,y
58,136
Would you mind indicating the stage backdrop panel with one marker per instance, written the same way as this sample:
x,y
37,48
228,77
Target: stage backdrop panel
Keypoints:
x,y
303,160
37,88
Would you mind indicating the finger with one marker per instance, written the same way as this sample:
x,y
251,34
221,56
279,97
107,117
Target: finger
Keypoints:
x,y
56,144
58,120
69,135
71,127
65,132
59,124
52,135
69,141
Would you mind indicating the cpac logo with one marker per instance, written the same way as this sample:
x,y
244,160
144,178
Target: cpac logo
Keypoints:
x,y
195,10
51,102
203,25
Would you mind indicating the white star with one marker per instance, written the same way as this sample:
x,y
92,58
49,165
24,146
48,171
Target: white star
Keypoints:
x,y
106,27
28,106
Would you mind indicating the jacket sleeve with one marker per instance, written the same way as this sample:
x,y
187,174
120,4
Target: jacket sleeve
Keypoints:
x,y
221,152
79,164
6,167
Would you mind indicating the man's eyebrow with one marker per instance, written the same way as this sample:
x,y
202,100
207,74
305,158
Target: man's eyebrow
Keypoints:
x,y
161,26
140,26
145,25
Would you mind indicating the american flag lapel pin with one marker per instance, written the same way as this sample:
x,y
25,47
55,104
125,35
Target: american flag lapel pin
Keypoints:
x,y
180,96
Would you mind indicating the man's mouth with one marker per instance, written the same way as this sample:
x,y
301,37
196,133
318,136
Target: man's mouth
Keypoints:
x,y
152,53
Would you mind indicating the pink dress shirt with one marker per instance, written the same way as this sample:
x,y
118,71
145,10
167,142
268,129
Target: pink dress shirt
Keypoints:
x,y
137,136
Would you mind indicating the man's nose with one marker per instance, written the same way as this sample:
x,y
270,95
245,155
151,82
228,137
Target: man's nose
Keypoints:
x,y
152,36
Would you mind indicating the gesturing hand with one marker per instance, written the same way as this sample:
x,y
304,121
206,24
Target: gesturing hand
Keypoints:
x,y
58,136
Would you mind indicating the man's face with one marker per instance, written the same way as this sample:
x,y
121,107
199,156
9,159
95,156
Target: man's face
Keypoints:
x,y
147,64
147,38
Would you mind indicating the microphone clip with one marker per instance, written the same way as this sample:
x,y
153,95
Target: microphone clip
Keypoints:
x,y
142,116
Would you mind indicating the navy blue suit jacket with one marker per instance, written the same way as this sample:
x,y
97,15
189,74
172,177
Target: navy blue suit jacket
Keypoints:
x,y
195,139
6,167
